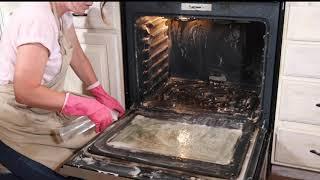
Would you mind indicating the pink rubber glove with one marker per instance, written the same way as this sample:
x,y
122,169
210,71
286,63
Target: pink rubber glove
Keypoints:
x,y
103,97
83,106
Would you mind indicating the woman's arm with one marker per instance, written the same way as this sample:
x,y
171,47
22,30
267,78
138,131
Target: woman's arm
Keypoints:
x,y
80,62
29,70
30,64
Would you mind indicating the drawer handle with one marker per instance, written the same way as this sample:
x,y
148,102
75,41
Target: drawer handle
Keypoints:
x,y
74,14
315,152
318,105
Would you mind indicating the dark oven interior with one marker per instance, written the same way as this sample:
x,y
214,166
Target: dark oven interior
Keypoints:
x,y
190,64
198,87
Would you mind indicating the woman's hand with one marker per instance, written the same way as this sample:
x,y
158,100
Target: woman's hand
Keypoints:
x,y
99,114
103,97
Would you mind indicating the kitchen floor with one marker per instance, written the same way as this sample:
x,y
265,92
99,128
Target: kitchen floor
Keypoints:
x,y
284,173
276,177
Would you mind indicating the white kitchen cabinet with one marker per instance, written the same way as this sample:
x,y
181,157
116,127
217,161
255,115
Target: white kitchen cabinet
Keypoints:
x,y
298,101
303,22
295,53
297,121
295,147
98,56
101,41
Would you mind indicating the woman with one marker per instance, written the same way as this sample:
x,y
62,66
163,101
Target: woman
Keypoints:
x,y
36,49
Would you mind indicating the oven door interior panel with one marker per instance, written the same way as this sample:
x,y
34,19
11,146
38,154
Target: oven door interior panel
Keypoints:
x,y
171,146
203,144
98,161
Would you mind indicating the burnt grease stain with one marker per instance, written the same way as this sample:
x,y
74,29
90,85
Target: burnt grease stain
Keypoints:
x,y
196,96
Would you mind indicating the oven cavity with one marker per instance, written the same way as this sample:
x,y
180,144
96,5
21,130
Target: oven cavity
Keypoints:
x,y
191,65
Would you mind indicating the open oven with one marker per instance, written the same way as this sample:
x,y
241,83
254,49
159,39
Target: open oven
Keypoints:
x,y
199,84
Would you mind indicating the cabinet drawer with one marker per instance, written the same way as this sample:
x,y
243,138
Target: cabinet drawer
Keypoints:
x,y
302,59
293,148
303,23
93,20
298,101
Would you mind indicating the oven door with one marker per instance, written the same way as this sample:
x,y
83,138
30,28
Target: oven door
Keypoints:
x,y
164,145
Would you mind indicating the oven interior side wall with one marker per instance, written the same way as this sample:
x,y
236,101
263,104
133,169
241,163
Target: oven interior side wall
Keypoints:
x,y
153,47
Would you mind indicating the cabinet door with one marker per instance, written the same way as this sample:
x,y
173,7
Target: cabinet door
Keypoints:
x,y
297,145
303,23
102,50
97,55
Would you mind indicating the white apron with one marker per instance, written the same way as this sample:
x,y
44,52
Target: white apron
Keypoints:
x,y
29,130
